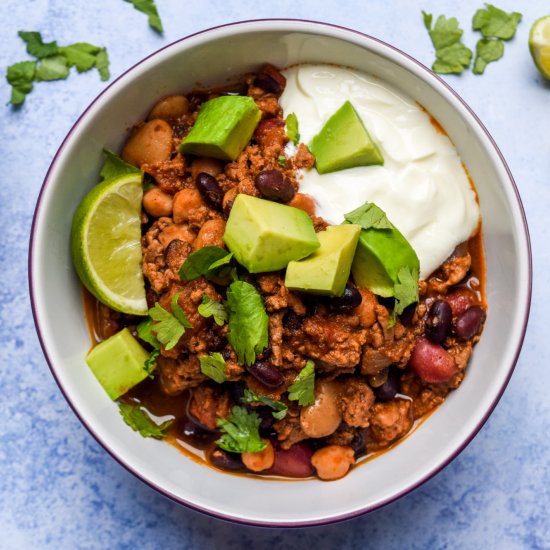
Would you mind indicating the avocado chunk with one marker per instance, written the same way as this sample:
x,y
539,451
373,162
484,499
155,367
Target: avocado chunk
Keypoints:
x,y
117,363
265,235
327,270
344,142
380,255
223,128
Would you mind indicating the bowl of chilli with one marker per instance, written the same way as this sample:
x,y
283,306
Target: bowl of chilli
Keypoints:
x,y
331,272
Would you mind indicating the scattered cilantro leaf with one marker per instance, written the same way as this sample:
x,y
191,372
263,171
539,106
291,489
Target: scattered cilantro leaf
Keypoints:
x,y
145,331
169,327
248,321
102,64
114,166
151,362
292,131
211,308
204,261
36,47
487,51
303,387
279,408
369,216
406,290
281,159
148,8
20,76
213,366
80,55
141,422
52,68
494,22
240,432
451,55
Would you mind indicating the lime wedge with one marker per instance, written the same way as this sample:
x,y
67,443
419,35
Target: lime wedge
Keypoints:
x,y
539,44
105,243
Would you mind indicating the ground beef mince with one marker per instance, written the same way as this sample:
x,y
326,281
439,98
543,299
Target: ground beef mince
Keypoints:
x,y
369,387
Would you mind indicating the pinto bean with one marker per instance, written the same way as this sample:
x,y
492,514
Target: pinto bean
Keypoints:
x,y
205,164
323,417
333,462
150,144
210,234
186,203
258,462
170,108
431,362
157,203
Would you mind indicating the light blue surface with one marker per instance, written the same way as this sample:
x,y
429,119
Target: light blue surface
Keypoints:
x,y
60,489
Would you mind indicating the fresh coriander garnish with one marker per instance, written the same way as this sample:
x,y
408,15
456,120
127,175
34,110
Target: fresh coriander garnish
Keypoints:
x,y
21,76
292,128
208,261
148,8
451,55
240,432
303,387
487,51
141,422
369,216
406,290
145,332
281,159
248,321
169,327
279,408
211,308
494,22
150,363
36,47
213,366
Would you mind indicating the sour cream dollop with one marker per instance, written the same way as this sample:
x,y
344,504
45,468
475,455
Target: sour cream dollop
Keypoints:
x,y
422,186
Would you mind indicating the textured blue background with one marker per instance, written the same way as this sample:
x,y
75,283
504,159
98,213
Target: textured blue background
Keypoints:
x,y
59,489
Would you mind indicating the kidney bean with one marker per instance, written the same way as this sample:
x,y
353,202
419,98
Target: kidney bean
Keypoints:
x,y
389,388
438,323
469,323
226,460
349,300
460,300
274,186
293,462
431,362
266,373
210,190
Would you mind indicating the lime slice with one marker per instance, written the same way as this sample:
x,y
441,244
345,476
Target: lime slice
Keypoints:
x,y
539,44
105,243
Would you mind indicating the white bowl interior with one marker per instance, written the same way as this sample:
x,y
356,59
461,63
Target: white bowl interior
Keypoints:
x,y
211,58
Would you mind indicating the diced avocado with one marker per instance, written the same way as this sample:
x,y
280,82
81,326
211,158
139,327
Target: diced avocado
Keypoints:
x,y
117,363
223,128
326,271
265,235
379,256
344,142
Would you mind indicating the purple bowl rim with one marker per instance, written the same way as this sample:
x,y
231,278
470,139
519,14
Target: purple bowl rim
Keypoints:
x,y
431,473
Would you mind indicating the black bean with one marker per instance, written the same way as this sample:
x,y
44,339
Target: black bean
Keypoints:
x,y
226,460
407,316
238,89
152,297
267,418
195,434
227,208
274,186
438,323
348,301
469,323
266,373
237,391
210,190
267,83
358,443
389,388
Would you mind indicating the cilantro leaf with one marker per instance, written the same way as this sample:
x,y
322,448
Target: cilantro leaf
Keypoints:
x,y
281,159
213,366
369,216
494,22
86,56
303,387
205,261
141,422
52,68
36,47
279,408
114,166
169,327
148,8
102,64
211,308
292,128
248,321
151,362
451,55
240,432
406,290
20,76
145,331
487,51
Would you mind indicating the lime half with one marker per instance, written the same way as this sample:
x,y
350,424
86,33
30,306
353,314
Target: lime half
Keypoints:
x,y
106,243
539,44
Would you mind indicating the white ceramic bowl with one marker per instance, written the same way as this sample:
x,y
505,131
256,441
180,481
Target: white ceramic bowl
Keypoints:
x,y
211,57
